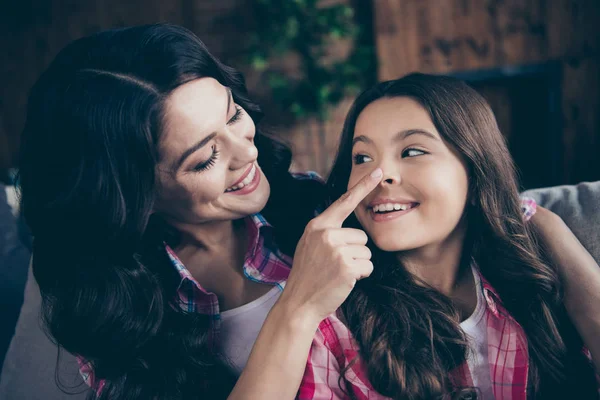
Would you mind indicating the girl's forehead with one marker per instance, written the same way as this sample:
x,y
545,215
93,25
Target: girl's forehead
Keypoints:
x,y
385,118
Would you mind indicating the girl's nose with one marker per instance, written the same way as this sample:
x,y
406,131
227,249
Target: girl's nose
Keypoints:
x,y
391,175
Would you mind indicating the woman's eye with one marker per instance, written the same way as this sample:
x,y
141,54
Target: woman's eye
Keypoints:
x,y
412,153
236,117
361,159
203,166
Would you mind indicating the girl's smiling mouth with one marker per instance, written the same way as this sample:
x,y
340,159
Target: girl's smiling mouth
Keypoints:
x,y
381,210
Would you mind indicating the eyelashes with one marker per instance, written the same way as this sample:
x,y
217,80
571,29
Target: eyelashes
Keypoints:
x,y
236,117
410,152
360,159
203,166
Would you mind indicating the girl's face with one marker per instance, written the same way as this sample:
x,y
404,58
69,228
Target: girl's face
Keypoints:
x,y
207,169
422,196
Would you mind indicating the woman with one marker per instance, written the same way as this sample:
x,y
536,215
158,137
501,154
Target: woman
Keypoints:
x,y
463,298
142,178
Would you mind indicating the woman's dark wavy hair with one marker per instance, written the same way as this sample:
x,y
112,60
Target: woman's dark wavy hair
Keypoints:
x,y
409,333
87,178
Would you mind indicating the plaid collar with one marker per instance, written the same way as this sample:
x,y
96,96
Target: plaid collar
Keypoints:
x,y
263,263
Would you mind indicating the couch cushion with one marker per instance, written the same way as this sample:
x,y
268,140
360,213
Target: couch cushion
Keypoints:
x,y
30,364
579,206
14,260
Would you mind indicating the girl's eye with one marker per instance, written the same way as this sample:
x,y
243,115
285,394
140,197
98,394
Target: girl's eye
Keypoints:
x,y
412,152
203,166
236,117
361,159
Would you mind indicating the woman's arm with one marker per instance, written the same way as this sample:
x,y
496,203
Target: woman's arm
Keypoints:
x,y
580,274
276,364
328,262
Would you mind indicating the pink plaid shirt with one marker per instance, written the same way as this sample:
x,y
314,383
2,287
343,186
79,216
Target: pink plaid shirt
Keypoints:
x,y
333,348
265,263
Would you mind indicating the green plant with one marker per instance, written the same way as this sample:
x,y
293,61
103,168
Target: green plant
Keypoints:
x,y
306,30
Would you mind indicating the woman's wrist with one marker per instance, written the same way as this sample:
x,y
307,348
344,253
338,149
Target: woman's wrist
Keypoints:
x,y
298,317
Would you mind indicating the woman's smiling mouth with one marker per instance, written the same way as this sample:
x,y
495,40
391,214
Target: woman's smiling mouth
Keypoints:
x,y
247,183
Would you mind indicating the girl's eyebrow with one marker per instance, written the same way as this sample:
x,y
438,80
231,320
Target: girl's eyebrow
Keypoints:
x,y
409,132
398,137
361,138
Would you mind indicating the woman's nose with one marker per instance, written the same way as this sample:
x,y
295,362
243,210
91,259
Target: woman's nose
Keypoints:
x,y
243,151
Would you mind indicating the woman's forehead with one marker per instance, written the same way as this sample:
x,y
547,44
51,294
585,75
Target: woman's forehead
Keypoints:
x,y
193,111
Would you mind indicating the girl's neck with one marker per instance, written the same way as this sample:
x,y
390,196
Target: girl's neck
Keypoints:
x,y
441,265
446,266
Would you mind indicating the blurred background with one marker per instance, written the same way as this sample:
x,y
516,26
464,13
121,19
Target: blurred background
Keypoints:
x,y
536,61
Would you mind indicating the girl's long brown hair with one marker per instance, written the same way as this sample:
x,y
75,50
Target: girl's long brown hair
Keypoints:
x,y
409,334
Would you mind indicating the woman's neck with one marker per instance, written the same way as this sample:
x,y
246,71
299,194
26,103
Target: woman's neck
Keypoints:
x,y
214,254
217,245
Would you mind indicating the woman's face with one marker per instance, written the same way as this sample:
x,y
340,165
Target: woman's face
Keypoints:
x,y
208,170
424,190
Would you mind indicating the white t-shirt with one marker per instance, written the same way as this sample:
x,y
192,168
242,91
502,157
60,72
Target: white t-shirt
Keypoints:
x,y
475,328
240,327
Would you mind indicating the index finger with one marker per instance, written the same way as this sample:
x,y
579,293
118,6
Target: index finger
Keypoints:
x,y
338,211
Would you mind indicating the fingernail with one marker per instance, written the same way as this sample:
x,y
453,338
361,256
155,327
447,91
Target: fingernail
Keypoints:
x,y
377,173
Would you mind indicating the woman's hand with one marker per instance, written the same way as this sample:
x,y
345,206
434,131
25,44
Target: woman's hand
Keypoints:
x,y
580,275
330,259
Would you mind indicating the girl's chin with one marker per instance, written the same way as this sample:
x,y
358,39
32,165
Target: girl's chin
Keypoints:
x,y
392,246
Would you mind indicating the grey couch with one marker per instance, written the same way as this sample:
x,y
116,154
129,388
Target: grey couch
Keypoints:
x,y
29,368
14,259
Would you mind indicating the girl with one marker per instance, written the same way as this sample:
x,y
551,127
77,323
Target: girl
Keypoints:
x,y
463,301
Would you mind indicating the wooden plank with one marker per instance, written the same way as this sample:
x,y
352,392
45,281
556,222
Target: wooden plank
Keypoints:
x,y
581,110
456,35
444,36
30,40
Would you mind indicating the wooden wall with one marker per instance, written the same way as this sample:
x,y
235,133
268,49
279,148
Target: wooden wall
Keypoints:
x,y
439,36
33,31
446,36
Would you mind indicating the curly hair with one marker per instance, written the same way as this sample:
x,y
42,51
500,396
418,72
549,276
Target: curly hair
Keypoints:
x,y
88,185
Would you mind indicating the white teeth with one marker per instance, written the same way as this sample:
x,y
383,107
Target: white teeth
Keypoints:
x,y
245,182
390,207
